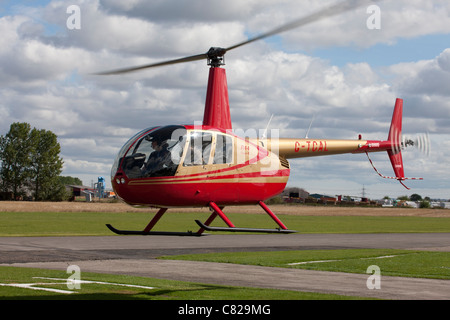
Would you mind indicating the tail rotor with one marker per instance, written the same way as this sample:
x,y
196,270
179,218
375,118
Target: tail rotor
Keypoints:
x,y
420,142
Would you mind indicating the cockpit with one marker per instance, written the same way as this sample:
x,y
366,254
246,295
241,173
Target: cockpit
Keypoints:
x,y
158,152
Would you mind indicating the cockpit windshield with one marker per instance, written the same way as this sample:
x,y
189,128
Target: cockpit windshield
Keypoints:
x,y
152,153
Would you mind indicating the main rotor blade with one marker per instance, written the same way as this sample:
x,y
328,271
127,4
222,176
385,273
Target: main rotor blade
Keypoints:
x,y
158,64
330,11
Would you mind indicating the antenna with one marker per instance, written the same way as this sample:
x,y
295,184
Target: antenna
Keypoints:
x,y
264,136
307,132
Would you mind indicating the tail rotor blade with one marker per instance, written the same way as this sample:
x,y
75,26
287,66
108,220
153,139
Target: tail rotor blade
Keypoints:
x,y
420,142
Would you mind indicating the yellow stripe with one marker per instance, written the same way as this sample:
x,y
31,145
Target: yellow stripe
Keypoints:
x,y
268,179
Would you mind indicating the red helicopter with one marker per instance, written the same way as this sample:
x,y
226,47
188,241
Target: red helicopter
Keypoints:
x,y
208,165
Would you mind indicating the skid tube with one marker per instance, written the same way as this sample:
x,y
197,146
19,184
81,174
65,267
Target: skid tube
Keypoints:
x,y
153,233
217,211
234,229
147,230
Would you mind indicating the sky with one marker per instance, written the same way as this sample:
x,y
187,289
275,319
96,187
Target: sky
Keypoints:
x,y
344,72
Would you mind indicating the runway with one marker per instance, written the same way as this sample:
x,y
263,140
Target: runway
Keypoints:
x,y
135,255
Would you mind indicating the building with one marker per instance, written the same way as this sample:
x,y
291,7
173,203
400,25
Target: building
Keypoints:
x,y
79,191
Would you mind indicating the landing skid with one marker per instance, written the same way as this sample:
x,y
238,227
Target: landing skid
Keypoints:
x,y
217,211
152,233
234,229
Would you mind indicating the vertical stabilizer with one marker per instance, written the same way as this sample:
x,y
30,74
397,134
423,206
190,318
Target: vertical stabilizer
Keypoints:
x,y
395,138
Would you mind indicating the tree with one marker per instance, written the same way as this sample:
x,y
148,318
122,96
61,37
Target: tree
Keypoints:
x,y
30,161
67,180
415,197
425,204
16,149
46,165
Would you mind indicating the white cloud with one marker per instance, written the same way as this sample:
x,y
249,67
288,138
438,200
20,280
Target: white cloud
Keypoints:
x,y
430,77
44,77
399,19
186,10
103,28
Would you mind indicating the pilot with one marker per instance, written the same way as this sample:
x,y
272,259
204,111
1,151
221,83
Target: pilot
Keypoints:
x,y
158,160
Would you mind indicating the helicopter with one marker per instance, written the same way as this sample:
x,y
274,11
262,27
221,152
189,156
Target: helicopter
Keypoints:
x,y
208,165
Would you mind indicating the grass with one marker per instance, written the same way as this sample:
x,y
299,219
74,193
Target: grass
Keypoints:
x,y
403,263
93,223
162,289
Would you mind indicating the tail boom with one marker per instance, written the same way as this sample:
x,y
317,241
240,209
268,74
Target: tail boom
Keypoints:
x,y
298,148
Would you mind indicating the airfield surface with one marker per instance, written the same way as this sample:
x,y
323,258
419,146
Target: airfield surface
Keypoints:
x,y
135,255
24,206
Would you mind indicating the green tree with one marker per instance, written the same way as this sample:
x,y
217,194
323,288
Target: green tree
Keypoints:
x,y
31,162
46,166
415,197
425,204
68,180
16,149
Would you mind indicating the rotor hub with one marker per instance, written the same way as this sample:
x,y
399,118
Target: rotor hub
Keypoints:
x,y
216,56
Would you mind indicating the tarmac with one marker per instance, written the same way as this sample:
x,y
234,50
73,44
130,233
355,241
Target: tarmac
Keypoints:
x,y
136,255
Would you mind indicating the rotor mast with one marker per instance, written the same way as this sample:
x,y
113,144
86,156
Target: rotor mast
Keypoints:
x,y
217,106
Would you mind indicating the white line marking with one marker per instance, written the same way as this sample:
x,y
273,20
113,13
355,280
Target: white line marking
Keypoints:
x,y
322,261
32,286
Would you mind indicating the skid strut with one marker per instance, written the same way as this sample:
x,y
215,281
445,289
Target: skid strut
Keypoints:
x,y
217,211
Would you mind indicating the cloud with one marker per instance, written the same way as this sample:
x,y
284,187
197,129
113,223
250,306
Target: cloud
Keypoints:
x,y
46,80
426,84
398,19
430,77
108,28
171,11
